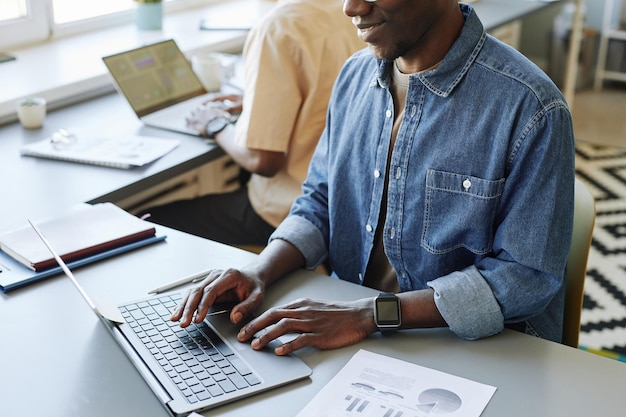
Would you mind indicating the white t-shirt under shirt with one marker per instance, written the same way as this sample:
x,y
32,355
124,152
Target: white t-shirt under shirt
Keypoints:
x,y
380,274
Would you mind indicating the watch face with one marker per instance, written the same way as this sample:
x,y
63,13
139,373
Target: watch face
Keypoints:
x,y
216,125
387,311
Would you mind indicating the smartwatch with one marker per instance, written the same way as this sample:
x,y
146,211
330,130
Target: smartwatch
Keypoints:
x,y
387,313
215,126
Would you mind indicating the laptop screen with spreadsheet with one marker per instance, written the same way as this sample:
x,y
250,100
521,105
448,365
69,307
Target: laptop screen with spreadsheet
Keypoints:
x,y
154,77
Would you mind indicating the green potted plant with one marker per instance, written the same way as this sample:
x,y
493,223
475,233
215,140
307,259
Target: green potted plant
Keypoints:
x,y
31,112
149,14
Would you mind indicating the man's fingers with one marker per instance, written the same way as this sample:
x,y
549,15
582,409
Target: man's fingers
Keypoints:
x,y
190,306
187,307
219,286
178,311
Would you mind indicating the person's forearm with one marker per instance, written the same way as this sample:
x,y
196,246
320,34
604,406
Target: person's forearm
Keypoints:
x,y
419,310
278,259
265,163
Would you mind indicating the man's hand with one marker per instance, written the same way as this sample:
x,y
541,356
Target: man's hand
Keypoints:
x,y
232,103
319,324
221,286
199,117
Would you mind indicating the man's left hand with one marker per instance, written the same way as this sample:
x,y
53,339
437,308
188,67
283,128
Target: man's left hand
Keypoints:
x,y
319,324
199,117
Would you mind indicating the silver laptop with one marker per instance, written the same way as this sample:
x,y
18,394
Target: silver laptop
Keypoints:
x,y
159,84
192,369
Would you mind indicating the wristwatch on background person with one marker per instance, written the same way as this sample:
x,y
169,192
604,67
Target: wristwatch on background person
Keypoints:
x,y
216,125
387,313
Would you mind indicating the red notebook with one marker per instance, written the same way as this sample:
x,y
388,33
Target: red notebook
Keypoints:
x,y
84,231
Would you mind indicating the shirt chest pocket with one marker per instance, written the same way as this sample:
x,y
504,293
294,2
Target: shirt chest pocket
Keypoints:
x,y
459,212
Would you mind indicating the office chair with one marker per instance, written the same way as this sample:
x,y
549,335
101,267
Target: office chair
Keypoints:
x,y
576,270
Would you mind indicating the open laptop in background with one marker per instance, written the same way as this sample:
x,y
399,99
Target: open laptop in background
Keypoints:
x,y
191,369
159,84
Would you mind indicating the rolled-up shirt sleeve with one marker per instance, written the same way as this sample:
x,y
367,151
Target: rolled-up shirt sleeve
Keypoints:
x,y
467,304
307,238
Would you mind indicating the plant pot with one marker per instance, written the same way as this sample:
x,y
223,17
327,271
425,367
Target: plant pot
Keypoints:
x,y
31,112
149,16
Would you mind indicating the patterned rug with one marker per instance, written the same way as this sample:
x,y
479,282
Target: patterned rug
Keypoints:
x,y
603,322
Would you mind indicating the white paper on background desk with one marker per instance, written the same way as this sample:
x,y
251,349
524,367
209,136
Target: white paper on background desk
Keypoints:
x,y
373,385
116,152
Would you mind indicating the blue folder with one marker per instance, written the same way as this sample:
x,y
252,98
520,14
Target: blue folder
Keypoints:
x,y
14,275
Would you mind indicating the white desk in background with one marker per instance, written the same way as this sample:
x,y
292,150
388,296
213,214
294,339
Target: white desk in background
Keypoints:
x,y
39,188
57,360
495,13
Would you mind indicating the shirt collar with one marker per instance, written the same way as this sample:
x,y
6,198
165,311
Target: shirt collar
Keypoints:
x,y
454,65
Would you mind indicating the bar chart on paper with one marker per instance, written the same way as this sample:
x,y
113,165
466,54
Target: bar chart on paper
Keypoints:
x,y
433,401
356,404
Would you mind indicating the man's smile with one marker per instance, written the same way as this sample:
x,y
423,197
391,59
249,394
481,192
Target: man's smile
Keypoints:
x,y
367,27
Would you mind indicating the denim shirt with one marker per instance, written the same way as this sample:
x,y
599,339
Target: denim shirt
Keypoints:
x,y
480,192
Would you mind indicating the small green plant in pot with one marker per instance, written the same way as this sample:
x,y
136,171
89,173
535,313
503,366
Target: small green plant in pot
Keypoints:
x,y
149,14
31,112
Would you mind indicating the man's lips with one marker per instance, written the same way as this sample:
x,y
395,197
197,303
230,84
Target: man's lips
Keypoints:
x,y
367,27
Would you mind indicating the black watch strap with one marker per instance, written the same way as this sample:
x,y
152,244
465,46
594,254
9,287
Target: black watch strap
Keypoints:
x,y
215,126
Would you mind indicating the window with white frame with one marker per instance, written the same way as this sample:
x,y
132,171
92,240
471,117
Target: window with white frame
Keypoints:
x,y
24,22
66,11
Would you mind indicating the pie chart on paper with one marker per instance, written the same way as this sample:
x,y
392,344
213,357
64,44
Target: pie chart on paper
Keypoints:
x,y
438,401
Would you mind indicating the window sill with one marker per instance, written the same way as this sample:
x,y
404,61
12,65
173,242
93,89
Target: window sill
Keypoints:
x,y
70,69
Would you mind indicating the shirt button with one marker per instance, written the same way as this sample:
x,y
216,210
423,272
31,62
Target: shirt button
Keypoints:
x,y
388,113
398,173
376,173
368,227
467,184
392,233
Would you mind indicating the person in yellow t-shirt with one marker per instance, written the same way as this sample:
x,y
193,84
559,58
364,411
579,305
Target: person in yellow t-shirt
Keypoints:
x,y
291,59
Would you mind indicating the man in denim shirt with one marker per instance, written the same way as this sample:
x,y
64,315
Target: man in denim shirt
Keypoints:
x,y
445,175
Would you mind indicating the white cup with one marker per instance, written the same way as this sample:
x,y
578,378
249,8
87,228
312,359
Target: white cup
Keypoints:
x,y
31,112
208,68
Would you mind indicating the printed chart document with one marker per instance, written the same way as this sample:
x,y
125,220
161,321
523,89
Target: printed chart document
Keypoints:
x,y
373,385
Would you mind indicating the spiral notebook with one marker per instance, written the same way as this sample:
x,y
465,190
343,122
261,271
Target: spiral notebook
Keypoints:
x,y
124,153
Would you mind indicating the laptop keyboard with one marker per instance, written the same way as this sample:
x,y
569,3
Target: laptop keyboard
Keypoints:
x,y
196,359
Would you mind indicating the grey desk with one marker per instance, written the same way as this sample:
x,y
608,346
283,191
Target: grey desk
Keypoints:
x,y
57,360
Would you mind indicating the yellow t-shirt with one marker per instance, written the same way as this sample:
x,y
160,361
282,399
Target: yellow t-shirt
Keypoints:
x,y
291,60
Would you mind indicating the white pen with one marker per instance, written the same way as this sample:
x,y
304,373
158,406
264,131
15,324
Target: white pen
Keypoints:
x,y
214,313
191,278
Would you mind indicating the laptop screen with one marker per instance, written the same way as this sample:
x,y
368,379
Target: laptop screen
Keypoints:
x,y
154,77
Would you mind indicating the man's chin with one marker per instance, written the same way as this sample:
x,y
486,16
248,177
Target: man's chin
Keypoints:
x,y
382,54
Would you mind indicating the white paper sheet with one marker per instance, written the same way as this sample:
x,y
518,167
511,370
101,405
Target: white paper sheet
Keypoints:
x,y
373,385
116,152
